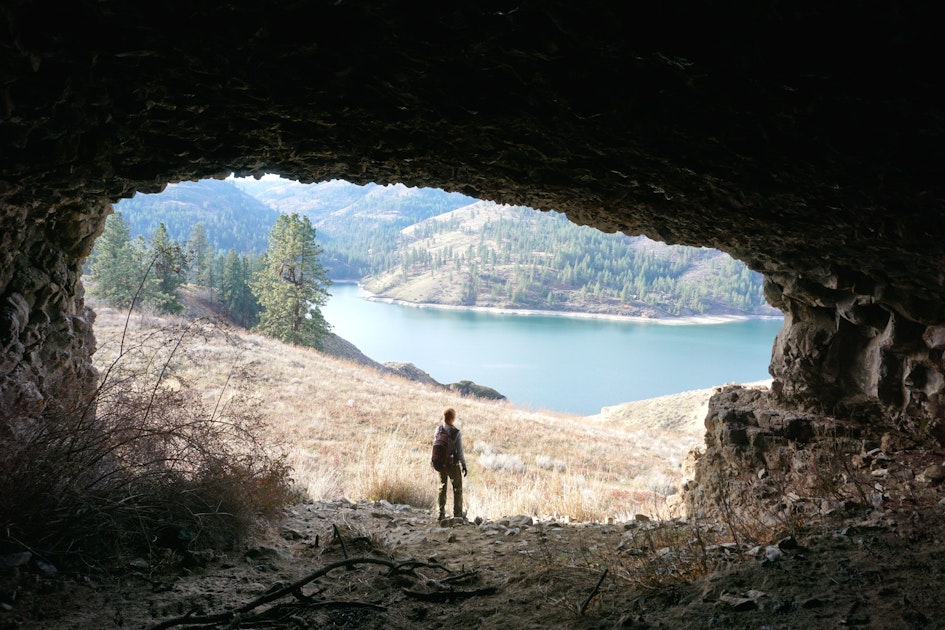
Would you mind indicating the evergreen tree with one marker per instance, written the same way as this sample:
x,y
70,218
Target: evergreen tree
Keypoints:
x,y
166,269
291,284
200,255
113,266
236,296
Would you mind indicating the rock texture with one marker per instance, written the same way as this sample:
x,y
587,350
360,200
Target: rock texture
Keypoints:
x,y
807,143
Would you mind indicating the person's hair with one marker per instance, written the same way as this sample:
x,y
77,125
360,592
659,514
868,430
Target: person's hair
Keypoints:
x,y
449,415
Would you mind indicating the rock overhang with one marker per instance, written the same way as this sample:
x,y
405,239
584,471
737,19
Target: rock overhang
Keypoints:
x,y
806,143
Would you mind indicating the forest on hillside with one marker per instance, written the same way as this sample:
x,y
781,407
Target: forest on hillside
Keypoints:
x,y
429,245
232,219
517,257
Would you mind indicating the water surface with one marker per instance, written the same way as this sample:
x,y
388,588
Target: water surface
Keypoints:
x,y
550,362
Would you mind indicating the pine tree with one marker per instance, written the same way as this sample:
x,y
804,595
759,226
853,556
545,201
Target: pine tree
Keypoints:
x,y
113,266
292,285
200,255
166,269
236,296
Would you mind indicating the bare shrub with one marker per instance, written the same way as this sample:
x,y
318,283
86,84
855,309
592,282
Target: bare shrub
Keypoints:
x,y
547,463
502,461
668,553
146,463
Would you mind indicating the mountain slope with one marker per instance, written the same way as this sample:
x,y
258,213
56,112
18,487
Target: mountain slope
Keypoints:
x,y
488,255
356,224
338,207
231,217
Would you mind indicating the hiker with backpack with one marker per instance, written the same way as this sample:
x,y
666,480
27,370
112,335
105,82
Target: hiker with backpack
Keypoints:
x,y
449,461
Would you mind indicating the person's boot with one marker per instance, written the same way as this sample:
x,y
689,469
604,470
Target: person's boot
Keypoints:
x,y
441,516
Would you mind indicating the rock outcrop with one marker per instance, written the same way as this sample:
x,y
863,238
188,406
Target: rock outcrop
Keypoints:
x,y
747,128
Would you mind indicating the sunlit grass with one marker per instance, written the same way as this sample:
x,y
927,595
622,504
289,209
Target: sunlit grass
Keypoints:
x,y
351,431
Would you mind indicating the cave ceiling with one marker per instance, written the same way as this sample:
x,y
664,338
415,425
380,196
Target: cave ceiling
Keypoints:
x,y
805,141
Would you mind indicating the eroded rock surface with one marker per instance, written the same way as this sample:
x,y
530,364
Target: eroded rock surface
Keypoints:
x,y
749,129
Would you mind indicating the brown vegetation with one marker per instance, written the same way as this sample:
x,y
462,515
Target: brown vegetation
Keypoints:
x,y
148,462
351,431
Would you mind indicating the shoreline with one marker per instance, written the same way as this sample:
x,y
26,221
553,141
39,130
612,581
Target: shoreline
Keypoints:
x,y
666,321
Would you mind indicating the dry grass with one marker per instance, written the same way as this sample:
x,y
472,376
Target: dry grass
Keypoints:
x,y
352,431
148,462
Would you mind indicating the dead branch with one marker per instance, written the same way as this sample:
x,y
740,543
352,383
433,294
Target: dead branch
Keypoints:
x,y
294,589
344,548
593,593
449,596
459,579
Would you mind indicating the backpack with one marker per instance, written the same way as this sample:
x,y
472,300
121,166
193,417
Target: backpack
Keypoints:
x,y
442,449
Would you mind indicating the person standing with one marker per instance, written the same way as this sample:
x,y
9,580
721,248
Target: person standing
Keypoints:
x,y
455,468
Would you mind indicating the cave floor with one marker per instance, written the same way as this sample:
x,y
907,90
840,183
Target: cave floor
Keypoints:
x,y
868,568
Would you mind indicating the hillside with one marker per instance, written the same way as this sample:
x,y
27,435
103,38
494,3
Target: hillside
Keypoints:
x,y
487,255
232,218
357,225
336,207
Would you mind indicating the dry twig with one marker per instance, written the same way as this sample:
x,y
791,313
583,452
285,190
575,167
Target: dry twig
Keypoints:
x,y
293,589
593,593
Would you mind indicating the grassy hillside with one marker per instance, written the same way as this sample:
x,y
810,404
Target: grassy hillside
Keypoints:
x,y
350,430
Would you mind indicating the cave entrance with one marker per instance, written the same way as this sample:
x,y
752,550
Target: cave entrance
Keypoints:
x,y
592,298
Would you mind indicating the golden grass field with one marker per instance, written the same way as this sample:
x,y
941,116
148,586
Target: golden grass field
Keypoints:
x,y
352,431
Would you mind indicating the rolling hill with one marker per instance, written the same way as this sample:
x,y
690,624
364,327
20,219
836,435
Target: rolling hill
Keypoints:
x,y
487,255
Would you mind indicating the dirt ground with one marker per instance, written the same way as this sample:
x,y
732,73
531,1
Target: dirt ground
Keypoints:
x,y
377,565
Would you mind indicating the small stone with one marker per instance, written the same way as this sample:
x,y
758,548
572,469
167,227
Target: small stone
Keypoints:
x,y
139,563
290,534
739,604
932,474
641,518
787,543
46,567
14,560
263,553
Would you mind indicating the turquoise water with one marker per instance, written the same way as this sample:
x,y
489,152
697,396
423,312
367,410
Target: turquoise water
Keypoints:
x,y
557,363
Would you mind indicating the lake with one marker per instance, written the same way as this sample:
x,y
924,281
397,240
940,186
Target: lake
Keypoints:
x,y
557,363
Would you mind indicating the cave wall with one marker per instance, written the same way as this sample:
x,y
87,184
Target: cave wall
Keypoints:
x,y
807,143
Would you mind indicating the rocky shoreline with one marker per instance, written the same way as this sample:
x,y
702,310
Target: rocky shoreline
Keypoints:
x,y
669,321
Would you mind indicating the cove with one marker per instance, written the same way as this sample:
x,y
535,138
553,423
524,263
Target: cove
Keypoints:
x,y
557,363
